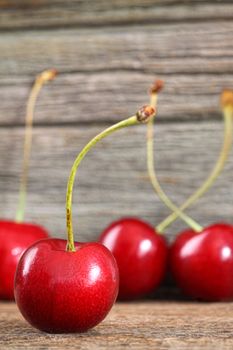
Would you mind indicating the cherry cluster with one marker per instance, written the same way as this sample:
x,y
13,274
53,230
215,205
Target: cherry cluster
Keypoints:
x,y
200,259
66,286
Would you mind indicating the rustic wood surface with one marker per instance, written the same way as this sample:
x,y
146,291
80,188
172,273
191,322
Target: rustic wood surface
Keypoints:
x,y
105,74
143,325
55,13
107,54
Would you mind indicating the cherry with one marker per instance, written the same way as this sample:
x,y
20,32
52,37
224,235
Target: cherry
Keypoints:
x,y
141,256
66,286
202,263
140,252
14,238
201,260
58,291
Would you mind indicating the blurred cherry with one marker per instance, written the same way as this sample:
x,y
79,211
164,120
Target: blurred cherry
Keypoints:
x,y
202,263
141,256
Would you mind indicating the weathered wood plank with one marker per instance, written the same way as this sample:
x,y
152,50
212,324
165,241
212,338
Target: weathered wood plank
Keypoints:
x,y
145,325
47,13
112,181
180,48
99,97
114,68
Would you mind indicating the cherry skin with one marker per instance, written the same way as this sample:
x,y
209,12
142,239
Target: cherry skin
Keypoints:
x,y
202,263
141,256
64,292
14,239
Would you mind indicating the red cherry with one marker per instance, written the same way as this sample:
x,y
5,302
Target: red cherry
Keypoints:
x,y
14,239
59,291
140,254
202,263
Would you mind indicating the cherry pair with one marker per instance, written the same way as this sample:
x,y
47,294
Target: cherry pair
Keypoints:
x,y
202,264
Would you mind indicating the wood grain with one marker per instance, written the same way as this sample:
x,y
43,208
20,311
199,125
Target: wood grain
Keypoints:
x,y
154,49
105,74
57,13
143,325
112,180
80,98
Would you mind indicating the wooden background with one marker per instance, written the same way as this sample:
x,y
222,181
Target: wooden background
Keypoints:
x,y
108,52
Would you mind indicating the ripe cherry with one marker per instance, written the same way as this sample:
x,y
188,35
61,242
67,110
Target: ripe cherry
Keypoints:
x,y
16,236
70,287
58,291
201,260
141,256
202,263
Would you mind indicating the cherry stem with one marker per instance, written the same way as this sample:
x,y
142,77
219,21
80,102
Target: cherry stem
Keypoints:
x,y
142,116
152,172
41,79
228,128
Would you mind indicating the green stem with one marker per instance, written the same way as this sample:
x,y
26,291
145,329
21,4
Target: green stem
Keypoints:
x,y
27,150
142,116
156,185
228,127
153,176
40,80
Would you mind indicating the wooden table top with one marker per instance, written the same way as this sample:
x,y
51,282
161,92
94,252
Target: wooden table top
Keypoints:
x,y
142,325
